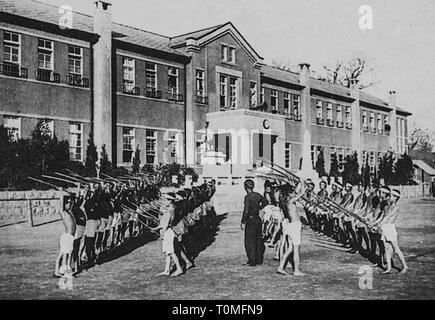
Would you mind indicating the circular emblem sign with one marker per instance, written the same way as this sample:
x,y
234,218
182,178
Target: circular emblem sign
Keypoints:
x,y
266,124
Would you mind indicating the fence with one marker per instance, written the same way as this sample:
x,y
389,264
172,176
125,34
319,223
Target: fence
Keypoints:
x,y
423,190
35,207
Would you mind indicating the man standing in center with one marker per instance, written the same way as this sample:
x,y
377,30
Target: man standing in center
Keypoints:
x,y
252,225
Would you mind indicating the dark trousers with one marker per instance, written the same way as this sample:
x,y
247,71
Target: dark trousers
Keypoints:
x,y
254,245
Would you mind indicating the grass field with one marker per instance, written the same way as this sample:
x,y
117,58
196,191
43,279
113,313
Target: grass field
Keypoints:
x,y
27,259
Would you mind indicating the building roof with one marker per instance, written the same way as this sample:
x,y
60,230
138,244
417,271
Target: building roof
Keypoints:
x,y
36,10
40,11
181,39
423,165
279,74
324,86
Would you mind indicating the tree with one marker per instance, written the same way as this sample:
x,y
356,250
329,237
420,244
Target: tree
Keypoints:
x,y
105,164
420,140
289,66
351,169
404,170
345,72
136,160
334,167
386,168
320,164
91,158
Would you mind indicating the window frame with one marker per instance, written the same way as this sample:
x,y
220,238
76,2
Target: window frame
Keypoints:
x,y
253,92
151,72
49,51
223,88
11,44
149,138
71,146
274,97
287,155
13,128
177,80
131,138
200,80
75,57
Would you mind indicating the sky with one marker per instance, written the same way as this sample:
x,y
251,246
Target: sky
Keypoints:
x,y
400,46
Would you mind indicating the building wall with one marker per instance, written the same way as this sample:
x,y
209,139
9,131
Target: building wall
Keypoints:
x,y
32,99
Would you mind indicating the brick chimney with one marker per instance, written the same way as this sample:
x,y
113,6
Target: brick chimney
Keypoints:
x,y
103,77
392,103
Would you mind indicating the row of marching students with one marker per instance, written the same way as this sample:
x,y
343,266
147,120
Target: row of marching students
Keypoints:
x,y
98,218
185,215
363,221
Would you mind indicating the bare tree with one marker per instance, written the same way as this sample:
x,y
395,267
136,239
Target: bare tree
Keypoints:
x,y
420,140
289,66
344,72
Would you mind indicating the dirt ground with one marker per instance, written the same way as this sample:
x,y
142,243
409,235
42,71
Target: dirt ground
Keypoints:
x,y
27,260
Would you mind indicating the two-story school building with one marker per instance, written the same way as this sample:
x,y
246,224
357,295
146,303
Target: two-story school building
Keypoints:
x,y
186,98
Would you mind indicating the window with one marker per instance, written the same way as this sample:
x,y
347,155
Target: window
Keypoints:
x,y
340,158
13,125
253,94
296,105
379,123
319,109
47,127
224,52
286,103
339,113
76,141
223,91
128,143
151,146
348,115
200,90
364,158
364,119
287,155
45,54
329,111
372,161
262,95
372,120
11,46
232,55
173,80
386,119
274,99
379,158
172,139
75,57
151,75
233,93
228,53
128,73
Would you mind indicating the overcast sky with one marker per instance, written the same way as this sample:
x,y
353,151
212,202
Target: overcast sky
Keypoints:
x,y
401,45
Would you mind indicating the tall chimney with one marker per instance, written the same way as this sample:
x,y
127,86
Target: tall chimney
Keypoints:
x,y
306,167
103,77
392,103
356,121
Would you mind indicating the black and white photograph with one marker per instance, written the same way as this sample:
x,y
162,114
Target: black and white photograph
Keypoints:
x,y
223,151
